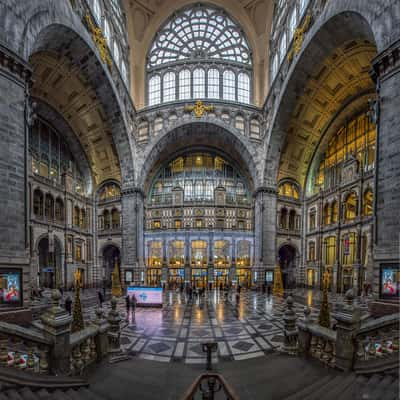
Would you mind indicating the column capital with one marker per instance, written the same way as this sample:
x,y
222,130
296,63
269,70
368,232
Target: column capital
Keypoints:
x,y
387,62
15,65
265,189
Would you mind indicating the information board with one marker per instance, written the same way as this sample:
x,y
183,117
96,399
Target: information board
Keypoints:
x,y
146,296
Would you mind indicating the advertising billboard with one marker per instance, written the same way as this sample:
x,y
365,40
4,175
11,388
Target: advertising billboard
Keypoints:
x,y
10,288
146,296
390,281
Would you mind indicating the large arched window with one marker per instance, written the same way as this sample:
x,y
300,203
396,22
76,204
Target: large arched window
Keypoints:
x,y
198,83
154,90
184,84
229,86
169,87
213,83
206,35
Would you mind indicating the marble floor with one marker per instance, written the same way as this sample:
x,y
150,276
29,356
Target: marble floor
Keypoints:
x,y
248,329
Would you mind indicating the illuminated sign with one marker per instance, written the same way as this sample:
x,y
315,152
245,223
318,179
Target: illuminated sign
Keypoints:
x,y
146,296
10,288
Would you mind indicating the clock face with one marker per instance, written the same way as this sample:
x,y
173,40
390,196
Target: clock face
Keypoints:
x,y
178,213
220,213
198,211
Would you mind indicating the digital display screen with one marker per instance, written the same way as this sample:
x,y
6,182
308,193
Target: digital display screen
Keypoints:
x,y
390,281
10,288
146,296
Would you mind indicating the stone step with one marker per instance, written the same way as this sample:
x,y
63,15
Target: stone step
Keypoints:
x,y
323,391
308,390
338,388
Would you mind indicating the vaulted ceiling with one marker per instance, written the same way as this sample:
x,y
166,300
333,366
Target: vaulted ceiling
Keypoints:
x,y
145,17
335,82
60,84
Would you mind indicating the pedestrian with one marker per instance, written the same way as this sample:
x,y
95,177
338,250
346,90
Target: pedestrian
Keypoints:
x,y
128,303
269,290
221,286
101,298
68,305
133,304
263,288
239,288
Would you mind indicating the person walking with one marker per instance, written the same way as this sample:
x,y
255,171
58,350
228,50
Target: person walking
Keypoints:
x,y
68,305
128,304
101,298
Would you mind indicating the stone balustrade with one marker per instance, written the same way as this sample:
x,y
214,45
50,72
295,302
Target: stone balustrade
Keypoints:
x,y
356,343
50,348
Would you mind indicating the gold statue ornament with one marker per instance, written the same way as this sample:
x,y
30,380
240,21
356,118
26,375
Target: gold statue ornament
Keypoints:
x,y
199,108
99,40
298,37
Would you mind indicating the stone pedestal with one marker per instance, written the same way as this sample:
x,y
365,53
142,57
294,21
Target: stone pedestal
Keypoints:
x,y
56,325
101,340
348,322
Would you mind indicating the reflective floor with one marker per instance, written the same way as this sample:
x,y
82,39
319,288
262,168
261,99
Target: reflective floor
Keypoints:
x,y
247,329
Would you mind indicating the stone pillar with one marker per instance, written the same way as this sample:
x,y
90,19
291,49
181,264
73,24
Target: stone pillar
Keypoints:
x,y
132,202
101,339
210,266
265,231
386,73
232,270
164,267
16,115
188,271
57,327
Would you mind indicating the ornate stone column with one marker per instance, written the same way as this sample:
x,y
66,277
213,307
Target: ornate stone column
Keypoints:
x,y
188,271
132,202
16,115
164,267
265,231
385,113
210,266
232,270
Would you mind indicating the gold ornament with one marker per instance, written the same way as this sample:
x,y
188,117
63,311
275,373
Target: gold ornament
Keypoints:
x,y
277,289
100,41
199,108
298,37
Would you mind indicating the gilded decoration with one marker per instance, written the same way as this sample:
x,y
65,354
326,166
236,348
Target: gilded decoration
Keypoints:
x,y
298,37
199,109
99,40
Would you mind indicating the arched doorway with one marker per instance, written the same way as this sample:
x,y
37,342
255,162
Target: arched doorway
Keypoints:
x,y
49,263
111,255
287,262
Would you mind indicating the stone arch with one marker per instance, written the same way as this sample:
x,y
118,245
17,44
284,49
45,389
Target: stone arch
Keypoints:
x,y
193,133
288,257
321,41
47,112
47,34
110,253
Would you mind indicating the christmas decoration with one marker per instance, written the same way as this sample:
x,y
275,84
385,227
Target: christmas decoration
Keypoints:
x,y
277,289
116,289
77,318
324,318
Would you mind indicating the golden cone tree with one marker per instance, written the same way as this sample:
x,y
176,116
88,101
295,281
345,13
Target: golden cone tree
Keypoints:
x,y
116,289
277,289
77,317
324,318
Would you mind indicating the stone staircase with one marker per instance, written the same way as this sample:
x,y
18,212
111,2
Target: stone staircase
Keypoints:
x,y
340,386
22,385
26,393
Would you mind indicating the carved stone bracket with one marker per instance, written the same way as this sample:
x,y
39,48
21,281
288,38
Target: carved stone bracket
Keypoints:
x,y
387,62
15,65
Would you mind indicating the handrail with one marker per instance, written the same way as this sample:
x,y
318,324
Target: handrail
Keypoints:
x,y
80,336
195,386
318,330
9,329
378,323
